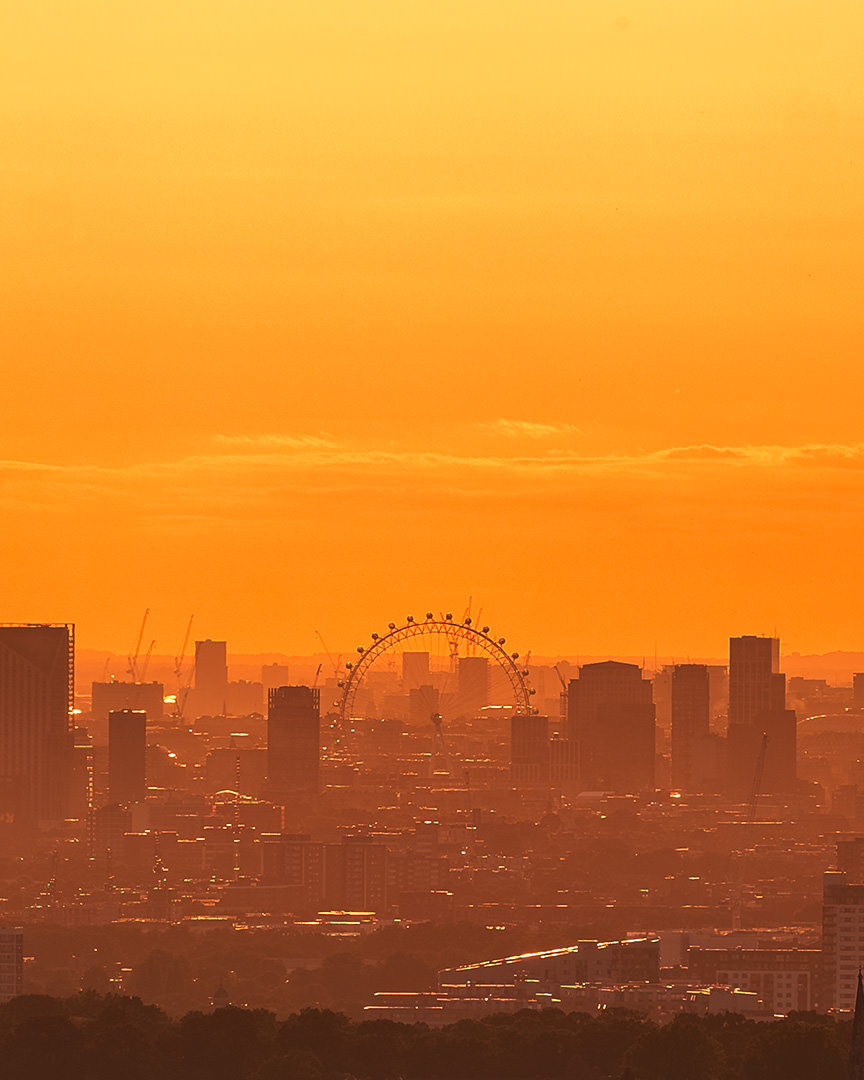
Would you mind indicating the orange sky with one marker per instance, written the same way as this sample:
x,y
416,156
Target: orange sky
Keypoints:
x,y
318,314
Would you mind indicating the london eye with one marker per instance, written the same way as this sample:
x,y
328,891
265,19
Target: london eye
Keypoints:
x,y
460,637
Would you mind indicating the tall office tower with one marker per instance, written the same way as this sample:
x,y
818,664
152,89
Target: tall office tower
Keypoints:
x,y
37,668
472,690
293,740
690,711
127,755
858,689
850,858
364,866
756,685
757,708
294,859
211,677
610,718
529,750
415,671
842,939
11,963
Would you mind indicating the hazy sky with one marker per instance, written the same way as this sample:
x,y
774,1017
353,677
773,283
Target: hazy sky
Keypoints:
x,y
318,314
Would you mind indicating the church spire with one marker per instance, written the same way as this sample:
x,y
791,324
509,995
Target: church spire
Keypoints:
x,y
856,1052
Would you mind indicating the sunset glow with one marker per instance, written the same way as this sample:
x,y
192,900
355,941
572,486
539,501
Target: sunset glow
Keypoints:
x,y
317,313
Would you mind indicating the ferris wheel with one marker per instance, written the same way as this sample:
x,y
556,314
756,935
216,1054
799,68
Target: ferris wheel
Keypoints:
x,y
476,640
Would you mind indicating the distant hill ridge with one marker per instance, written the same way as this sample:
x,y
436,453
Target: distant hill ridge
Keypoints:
x,y
92,664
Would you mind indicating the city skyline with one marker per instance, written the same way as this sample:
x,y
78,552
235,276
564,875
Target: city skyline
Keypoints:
x,y
431,470
168,643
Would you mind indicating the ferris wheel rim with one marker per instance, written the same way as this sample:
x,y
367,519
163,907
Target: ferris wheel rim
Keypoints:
x,y
450,628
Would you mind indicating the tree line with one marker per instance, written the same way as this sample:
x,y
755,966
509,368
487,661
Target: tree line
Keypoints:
x,y
102,1037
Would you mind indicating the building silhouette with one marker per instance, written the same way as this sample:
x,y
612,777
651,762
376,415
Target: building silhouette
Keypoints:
x,y
850,858
858,689
756,685
690,714
856,1049
37,668
293,740
757,707
108,696
611,719
11,963
351,876
424,702
786,979
127,755
415,671
364,867
472,685
273,675
211,677
529,750
842,939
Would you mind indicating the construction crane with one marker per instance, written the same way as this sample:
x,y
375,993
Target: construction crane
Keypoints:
x,y
178,660
564,696
133,658
183,688
736,881
335,662
146,663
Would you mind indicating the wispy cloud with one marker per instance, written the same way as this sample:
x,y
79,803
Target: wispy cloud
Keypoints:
x,y
827,455
258,476
528,429
296,455
276,441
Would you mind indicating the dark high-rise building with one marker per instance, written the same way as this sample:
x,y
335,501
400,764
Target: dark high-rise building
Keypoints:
x,y
473,685
757,708
211,677
37,669
351,876
529,750
11,963
127,754
756,685
415,670
858,689
842,937
424,702
690,709
610,718
365,875
293,740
